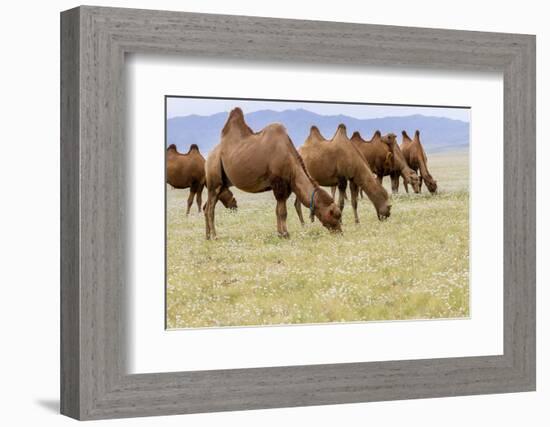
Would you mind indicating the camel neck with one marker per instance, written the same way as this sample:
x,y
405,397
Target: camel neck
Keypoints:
x,y
400,161
422,163
303,187
366,181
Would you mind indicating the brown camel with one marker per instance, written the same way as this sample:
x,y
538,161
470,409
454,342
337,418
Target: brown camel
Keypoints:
x,y
187,171
263,161
416,159
385,158
337,161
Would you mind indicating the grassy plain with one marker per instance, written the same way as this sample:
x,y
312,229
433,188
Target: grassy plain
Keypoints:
x,y
413,266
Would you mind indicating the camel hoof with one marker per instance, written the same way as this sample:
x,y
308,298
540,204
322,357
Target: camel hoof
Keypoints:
x,y
284,235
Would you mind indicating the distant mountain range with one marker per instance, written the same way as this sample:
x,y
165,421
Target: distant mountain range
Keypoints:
x,y
437,134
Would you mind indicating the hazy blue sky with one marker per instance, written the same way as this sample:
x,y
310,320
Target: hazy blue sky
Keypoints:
x,y
206,107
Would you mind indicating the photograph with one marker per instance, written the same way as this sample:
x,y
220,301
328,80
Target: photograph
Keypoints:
x,y
289,212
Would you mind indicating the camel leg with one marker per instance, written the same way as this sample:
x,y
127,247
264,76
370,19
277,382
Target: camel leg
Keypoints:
x,y
354,190
361,192
420,184
215,185
190,201
395,183
281,218
213,195
298,207
342,185
281,191
333,191
379,179
199,198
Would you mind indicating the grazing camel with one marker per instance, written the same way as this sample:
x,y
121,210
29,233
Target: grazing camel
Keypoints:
x,y
187,171
337,161
385,158
416,159
263,161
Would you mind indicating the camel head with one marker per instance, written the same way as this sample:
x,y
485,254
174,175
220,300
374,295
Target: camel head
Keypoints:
x,y
413,179
324,208
431,184
382,203
228,199
389,139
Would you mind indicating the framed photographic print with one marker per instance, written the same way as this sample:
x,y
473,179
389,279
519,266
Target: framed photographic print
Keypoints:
x,y
262,213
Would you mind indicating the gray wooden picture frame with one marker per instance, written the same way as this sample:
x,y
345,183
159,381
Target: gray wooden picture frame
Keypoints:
x,y
94,381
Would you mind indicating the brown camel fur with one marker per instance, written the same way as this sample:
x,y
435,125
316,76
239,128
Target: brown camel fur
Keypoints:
x,y
337,161
385,158
187,171
263,161
417,160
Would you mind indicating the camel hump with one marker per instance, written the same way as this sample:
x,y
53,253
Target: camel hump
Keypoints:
x,y
194,147
172,147
341,130
314,131
377,134
417,134
404,133
236,112
356,135
235,120
277,127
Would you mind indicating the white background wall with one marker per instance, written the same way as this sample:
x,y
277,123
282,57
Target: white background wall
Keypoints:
x,y
29,213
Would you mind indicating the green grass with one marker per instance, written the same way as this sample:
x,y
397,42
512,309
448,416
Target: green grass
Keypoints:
x,y
413,266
